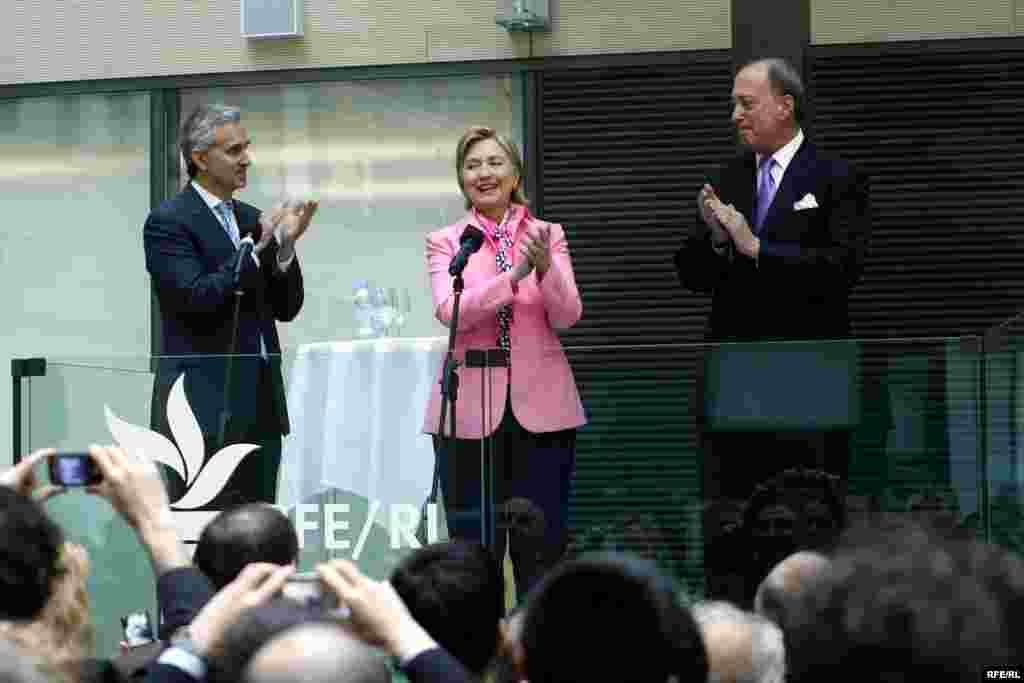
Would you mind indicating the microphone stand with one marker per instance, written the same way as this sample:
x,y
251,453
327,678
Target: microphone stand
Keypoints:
x,y
449,390
225,412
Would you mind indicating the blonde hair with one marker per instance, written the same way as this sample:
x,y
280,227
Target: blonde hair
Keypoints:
x,y
62,635
476,134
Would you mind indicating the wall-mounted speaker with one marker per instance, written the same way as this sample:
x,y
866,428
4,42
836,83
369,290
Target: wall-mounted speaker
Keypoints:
x,y
523,15
271,18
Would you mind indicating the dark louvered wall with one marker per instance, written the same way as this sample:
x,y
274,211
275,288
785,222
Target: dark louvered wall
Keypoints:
x,y
622,153
937,127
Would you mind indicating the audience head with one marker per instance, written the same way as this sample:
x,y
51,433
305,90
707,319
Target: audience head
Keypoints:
x,y
316,653
455,592
62,633
253,629
907,604
778,594
29,556
610,618
253,532
742,647
797,509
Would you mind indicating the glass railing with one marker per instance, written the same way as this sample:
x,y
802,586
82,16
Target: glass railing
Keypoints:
x,y
1001,458
714,461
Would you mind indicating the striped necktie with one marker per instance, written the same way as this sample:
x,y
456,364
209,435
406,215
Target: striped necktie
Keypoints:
x,y
227,215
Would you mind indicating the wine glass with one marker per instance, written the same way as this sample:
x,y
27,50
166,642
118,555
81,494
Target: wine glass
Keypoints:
x,y
382,313
400,317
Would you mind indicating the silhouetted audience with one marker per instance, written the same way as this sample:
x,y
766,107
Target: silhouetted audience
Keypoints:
x,y
610,618
455,592
742,647
240,535
905,603
779,593
30,546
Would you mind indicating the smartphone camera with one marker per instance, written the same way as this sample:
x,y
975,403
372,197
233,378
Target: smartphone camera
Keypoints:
x,y
138,629
306,590
74,469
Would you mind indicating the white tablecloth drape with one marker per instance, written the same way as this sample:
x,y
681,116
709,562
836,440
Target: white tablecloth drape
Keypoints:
x,y
357,412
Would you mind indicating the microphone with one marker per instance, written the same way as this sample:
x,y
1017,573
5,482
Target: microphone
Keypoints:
x,y
472,239
244,252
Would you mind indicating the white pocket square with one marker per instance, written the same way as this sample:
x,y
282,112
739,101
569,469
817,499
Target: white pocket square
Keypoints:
x,y
808,202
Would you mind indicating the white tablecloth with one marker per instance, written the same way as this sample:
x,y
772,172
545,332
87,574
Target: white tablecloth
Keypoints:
x,y
357,412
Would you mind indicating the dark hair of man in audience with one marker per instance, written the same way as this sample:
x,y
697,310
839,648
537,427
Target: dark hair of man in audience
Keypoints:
x,y
254,628
30,544
253,532
455,592
610,618
908,604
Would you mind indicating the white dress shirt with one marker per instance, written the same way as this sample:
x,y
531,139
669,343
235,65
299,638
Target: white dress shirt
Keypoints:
x,y
782,156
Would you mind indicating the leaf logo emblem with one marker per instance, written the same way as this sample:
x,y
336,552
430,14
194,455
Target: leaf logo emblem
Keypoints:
x,y
202,484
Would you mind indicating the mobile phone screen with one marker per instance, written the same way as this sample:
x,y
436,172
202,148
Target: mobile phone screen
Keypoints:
x,y
73,469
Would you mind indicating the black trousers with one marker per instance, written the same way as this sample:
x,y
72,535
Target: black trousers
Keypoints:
x,y
255,478
532,478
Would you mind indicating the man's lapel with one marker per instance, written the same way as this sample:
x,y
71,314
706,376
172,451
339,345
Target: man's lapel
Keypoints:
x,y
742,194
797,181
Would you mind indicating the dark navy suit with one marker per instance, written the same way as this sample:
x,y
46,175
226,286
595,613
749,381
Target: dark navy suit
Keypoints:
x,y
798,289
191,259
809,259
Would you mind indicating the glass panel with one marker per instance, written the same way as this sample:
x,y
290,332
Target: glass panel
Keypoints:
x,y
711,460
355,475
379,156
74,176
1002,465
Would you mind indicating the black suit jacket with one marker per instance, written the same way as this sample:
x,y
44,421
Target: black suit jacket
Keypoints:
x,y
809,259
190,259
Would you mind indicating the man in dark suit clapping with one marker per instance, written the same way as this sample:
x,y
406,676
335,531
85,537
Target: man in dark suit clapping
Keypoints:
x,y
780,241
193,245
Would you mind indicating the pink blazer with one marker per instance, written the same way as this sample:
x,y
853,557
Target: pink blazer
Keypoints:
x,y
544,395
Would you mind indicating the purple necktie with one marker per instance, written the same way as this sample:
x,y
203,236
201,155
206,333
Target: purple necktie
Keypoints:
x,y
765,192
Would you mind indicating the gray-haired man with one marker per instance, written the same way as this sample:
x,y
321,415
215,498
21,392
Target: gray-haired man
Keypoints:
x,y
193,245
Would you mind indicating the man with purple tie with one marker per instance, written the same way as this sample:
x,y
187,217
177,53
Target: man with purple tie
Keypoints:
x,y
780,241
784,227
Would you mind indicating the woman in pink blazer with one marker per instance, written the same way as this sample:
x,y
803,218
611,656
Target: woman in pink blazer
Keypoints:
x,y
519,291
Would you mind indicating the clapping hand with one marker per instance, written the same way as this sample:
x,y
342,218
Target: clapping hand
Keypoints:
x,y
286,222
737,226
293,224
536,248
707,200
